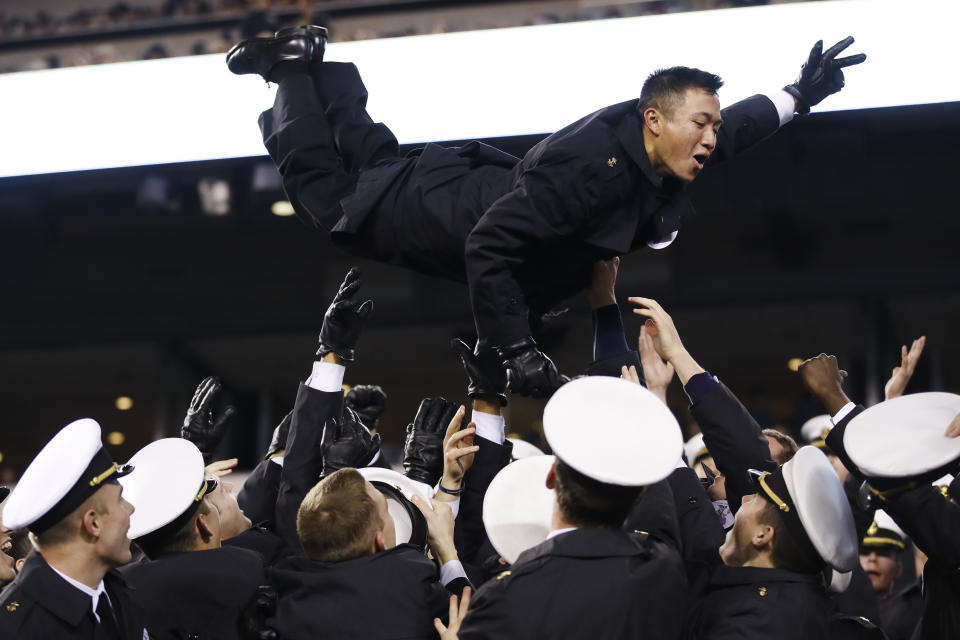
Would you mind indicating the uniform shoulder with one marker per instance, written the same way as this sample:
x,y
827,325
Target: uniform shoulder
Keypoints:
x,y
15,604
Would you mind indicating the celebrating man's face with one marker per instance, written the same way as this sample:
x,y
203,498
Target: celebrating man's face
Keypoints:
x,y
686,136
883,568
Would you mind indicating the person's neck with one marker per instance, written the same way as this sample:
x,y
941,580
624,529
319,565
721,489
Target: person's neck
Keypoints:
x,y
557,522
761,561
78,562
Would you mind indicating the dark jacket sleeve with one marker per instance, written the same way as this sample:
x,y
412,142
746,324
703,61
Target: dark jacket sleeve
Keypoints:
x,y
258,497
540,211
303,461
656,515
470,534
932,522
734,439
745,123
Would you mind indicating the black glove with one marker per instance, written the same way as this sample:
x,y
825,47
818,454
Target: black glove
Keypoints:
x,y
529,371
821,75
252,622
200,426
279,440
344,320
423,450
369,401
347,443
485,374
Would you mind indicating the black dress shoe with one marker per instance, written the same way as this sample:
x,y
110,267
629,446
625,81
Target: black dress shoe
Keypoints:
x,y
262,55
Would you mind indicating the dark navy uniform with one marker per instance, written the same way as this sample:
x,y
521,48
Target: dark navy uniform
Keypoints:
x,y
586,583
390,594
196,594
900,613
524,233
40,605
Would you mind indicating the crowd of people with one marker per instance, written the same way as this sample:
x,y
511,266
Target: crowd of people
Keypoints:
x,y
622,532
255,17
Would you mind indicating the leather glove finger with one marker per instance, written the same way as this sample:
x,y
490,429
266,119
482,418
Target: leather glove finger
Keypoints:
x,y
331,433
832,52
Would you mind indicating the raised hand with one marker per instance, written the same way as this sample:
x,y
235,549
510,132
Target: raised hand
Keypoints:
x,y
908,363
657,372
278,442
529,371
423,450
344,320
369,401
823,377
458,452
602,290
201,426
485,375
347,443
821,75
458,611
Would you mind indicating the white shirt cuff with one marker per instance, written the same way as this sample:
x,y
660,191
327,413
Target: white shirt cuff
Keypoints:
x,y
489,426
450,571
847,408
277,460
785,105
374,458
326,376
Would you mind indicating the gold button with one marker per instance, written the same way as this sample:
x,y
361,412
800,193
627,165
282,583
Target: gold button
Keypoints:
x,y
762,591
611,162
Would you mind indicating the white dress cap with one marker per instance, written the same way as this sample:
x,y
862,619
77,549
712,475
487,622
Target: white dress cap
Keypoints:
x,y
53,473
402,514
884,521
822,506
695,448
168,481
612,431
904,437
518,507
814,428
523,449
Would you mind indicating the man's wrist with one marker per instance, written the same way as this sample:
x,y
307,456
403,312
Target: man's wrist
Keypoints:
x,y
444,550
685,366
489,404
332,357
834,401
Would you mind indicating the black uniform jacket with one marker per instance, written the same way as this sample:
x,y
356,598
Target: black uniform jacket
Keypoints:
x,y
258,497
40,605
900,613
587,583
933,523
196,594
387,595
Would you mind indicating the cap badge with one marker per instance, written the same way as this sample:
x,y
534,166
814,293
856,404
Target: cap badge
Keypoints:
x,y
872,531
612,162
762,591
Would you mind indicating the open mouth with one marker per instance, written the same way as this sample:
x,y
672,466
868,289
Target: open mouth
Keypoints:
x,y
700,159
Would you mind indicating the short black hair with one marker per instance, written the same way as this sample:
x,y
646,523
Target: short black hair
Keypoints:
x,y
664,88
789,553
585,502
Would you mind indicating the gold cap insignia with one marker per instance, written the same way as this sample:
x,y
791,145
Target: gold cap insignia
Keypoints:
x,y
872,531
762,591
12,606
611,162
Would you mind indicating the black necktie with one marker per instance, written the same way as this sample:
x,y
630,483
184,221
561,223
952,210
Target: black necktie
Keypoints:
x,y
107,629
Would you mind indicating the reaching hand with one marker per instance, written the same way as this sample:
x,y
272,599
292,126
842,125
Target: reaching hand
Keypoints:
x,y
660,328
954,429
455,619
200,425
901,375
458,451
221,468
344,319
440,524
821,75
278,442
347,443
658,373
485,375
529,371
824,379
602,291
423,450
369,401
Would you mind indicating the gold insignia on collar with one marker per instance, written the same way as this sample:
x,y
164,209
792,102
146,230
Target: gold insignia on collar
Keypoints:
x,y
762,591
872,531
503,575
612,162
12,606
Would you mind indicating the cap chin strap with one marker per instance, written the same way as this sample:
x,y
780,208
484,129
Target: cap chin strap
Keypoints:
x,y
777,500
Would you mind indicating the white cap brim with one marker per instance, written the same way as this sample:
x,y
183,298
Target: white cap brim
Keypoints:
x,y
402,525
612,431
813,428
170,475
904,437
523,449
518,506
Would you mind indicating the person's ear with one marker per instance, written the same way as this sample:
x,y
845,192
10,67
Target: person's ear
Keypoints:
x,y
19,564
90,523
203,529
378,543
763,537
551,481
653,120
